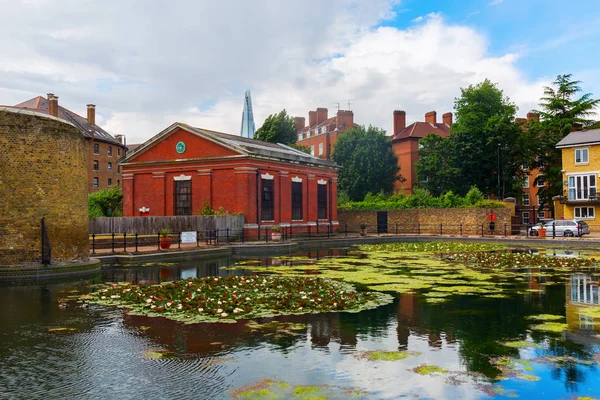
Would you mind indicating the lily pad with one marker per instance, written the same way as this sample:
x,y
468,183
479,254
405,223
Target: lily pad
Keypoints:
x,y
429,370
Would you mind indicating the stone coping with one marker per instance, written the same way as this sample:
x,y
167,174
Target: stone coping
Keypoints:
x,y
38,272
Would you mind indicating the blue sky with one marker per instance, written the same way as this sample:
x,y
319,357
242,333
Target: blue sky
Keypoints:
x,y
550,36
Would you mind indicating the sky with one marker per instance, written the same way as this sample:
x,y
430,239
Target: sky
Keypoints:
x,y
147,64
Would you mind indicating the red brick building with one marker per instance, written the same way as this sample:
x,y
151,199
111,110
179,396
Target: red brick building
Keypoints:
x,y
103,151
405,143
322,132
179,170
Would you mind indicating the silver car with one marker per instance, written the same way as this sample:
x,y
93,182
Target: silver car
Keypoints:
x,y
563,227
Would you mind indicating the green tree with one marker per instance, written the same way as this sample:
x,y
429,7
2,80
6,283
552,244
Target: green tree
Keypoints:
x,y
278,128
106,203
435,170
560,114
368,163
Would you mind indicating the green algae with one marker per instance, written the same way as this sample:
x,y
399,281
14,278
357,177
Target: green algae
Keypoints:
x,y
545,317
309,393
522,344
426,369
269,389
554,327
63,330
379,355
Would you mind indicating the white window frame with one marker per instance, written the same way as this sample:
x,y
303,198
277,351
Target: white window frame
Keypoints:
x,y
109,166
312,150
582,151
537,180
590,212
539,201
525,220
321,149
526,182
524,202
541,214
96,182
324,129
586,191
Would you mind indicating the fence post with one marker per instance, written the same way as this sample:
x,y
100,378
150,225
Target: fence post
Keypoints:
x,y
461,230
418,228
266,234
309,231
113,242
94,243
481,230
197,238
505,229
441,229
158,242
290,231
527,229
553,231
217,237
258,233
124,242
179,240
396,228
227,235
136,242
243,234
346,230
317,221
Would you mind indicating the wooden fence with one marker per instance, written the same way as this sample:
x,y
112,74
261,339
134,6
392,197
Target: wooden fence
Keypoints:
x,y
151,225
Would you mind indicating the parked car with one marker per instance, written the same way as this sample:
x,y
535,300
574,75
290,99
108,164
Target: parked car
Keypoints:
x,y
563,227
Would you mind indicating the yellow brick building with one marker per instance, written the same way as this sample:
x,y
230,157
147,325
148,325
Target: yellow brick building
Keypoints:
x,y
580,172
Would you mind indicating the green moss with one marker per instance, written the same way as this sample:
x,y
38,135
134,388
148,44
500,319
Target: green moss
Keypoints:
x,y
388,355
429,370
258,394
545,317
309,393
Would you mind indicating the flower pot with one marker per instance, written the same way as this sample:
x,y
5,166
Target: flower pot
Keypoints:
x,y
542,232
165,243
276,236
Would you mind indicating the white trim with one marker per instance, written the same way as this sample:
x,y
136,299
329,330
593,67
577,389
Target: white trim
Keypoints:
x,y
296,179
583,173
322,182
144,209
267,176
182,177
575,155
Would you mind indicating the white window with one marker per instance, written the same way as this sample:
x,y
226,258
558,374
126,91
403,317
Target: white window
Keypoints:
x,y
525,200
539,201
525,216
324,129
539,181
300,136
312,150
541,214
96,182
582,187
584,212
320,149
581,156
526,182
109,166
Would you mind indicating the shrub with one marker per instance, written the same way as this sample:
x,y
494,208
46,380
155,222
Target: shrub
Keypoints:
x,y
106,203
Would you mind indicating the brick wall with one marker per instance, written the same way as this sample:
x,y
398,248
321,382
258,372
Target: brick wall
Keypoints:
x,y
429,219
42,174
107,153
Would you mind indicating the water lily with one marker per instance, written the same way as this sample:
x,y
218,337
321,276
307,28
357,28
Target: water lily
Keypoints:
x,y
180,306
219,311
200,309
223,314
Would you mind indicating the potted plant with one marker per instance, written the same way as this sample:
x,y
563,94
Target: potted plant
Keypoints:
x,y
165,240
541,230
276,233
363,229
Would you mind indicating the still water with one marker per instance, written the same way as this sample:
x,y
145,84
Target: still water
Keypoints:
x,y
106,354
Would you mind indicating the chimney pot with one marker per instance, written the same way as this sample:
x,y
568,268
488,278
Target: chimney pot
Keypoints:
x,y
300,123
321,115
91,114
119,138
312,118
431,117
533,116
399,121
447,119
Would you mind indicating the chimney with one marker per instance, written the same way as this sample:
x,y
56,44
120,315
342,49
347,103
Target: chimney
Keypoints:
x,y
321,115
312,118
533,116
91,115
300,123
53,105
344,119
119,138
431,117
399,121
447,118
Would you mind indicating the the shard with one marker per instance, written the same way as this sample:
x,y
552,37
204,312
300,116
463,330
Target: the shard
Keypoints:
x,y
247,118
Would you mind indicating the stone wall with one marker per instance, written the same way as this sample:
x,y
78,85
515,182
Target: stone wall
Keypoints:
x,y
42,174
428,220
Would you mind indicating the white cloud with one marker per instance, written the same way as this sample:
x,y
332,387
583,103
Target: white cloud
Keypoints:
x,y
496,2
147,66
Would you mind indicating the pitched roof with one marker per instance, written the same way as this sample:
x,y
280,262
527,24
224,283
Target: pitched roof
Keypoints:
x,y
421,129
580,138
245,146
40,104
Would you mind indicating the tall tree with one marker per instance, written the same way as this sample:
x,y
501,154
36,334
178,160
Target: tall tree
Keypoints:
x,y
278,128
435,170
368,163
560,114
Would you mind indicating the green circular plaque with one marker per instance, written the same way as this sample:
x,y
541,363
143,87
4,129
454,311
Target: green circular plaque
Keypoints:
x,y
180,147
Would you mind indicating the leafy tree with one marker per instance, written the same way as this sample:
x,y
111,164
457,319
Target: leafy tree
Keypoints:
x,y
106,203
368,162
435,169
278,128
560,114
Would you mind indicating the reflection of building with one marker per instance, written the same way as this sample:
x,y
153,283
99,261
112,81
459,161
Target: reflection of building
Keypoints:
x,y
582,292
580,165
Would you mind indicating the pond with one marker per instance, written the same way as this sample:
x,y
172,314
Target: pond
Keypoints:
x,y
455,329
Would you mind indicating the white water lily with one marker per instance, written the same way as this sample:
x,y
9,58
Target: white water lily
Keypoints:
x,y
180,306
237,310
219,311
200,309
148,301
223,314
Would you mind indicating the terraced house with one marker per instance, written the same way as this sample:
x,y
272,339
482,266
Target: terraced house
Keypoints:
x,y
580,169
103,151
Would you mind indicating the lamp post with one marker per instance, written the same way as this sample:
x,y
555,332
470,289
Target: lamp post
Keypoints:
x,y
498,172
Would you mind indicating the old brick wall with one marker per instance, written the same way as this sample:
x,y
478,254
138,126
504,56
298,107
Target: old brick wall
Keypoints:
x,y
42,174
428,220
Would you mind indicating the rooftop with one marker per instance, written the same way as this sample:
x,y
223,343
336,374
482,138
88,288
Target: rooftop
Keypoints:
x,y
580,138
